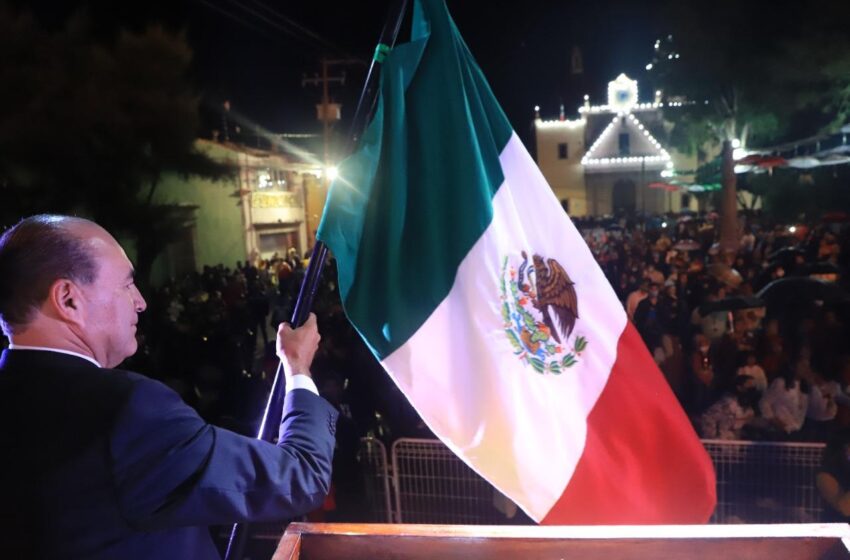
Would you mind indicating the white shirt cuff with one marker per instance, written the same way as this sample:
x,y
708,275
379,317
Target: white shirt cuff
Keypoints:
x,y
301,381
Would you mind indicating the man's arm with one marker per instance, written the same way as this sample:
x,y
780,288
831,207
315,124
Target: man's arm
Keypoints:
x,y
172,469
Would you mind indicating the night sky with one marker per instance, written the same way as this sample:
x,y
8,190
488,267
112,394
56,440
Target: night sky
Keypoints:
x,y
247,51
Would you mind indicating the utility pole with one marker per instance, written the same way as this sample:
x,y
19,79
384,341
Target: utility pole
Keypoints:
x,y
328,113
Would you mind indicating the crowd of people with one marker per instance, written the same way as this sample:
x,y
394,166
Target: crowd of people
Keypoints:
x,y
743,366
751,342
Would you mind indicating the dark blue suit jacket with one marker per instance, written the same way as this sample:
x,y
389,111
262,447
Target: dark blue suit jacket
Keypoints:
x,y
100,463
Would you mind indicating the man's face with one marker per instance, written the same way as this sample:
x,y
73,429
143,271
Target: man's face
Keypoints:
x,y
112,303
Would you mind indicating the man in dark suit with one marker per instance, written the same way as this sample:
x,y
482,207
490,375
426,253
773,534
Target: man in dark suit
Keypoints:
x,y
104,463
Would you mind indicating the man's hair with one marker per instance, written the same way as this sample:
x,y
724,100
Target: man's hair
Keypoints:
x,y
34,253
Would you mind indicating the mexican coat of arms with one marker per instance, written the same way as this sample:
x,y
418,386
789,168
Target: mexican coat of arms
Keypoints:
x,y
539,312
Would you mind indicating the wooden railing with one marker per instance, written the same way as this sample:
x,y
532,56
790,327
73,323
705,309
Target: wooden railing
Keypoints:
x,y
308,541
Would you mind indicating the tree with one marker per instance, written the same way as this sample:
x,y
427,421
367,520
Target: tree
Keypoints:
x,y
755,73
90,128
795,195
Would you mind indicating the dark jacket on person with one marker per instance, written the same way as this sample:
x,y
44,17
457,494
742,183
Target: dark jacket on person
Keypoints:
x,y
101,463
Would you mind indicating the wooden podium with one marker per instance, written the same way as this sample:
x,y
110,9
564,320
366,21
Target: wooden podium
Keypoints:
x,y
327,541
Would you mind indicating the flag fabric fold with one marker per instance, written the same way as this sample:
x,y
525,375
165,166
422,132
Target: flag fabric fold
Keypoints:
x,y
462,273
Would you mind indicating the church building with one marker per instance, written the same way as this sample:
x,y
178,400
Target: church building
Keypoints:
x,y
613,159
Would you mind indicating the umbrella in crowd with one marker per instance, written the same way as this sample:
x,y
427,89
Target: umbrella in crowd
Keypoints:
x,y
825,271
804,162
762,161
786,255
666,186
802,290
687,245
734,303
835,217
835,159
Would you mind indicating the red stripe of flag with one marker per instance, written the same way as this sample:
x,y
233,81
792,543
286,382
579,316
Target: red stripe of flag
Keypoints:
x,y
642,461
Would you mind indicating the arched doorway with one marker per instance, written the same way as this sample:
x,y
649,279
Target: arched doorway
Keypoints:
x,y
624,196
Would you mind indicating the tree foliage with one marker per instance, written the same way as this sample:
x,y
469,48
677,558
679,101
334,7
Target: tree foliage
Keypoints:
x,y
90,128
790,195
756,71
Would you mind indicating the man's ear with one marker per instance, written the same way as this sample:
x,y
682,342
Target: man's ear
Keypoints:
x,y
65,302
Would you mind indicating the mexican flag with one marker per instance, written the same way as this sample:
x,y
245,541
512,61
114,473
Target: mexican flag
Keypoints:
x,y
460,270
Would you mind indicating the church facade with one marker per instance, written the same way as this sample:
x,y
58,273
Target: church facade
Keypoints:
x,y
613,158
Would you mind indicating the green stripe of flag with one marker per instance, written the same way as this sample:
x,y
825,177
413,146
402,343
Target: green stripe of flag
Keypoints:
x,y
411,202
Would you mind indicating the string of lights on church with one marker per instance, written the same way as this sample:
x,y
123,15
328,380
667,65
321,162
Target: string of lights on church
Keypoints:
x,y
613,157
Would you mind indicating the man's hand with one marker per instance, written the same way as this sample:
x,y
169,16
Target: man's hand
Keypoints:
x,y
296,348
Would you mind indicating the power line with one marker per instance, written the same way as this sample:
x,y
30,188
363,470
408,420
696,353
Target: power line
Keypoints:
x,y
236,18
281,23
301,28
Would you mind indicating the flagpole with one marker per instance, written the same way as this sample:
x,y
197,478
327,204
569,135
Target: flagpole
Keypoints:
x,y
365,108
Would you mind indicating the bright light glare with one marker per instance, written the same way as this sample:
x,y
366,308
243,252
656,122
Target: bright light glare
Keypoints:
x,y
332,173
663,224
792,229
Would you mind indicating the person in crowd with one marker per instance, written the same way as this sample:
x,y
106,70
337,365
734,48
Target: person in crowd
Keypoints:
x,y
636,297
833,478
650,318
785,403
727,418
823,392
672,354
105,463
713,324
748,241
703,380
822,408
752,370
652,274
773,354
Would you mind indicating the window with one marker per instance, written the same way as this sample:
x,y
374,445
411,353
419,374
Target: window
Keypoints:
x,y
280,180
563,151
264,179
624,144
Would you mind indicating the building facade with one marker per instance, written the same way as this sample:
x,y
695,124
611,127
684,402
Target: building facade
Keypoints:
x,y
269,205
613,158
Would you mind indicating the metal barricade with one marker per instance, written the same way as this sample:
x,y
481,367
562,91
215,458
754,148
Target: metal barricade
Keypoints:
x,y
757,482
432,485
766,482
372,457
375,507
